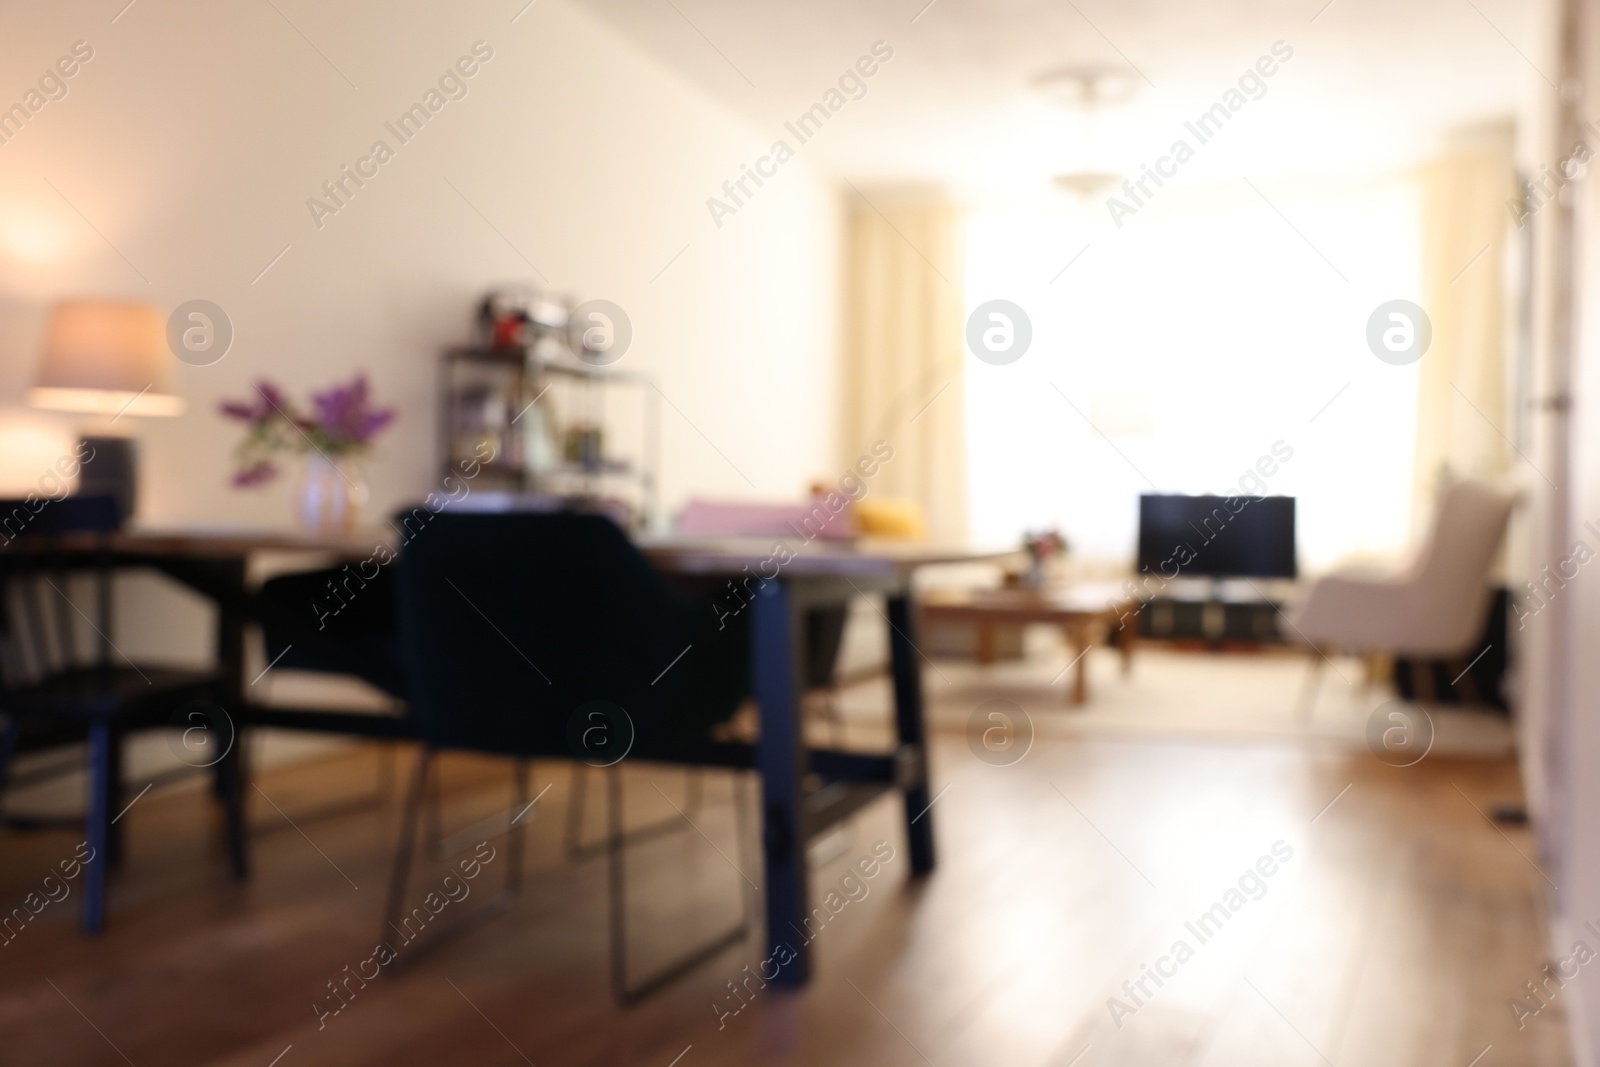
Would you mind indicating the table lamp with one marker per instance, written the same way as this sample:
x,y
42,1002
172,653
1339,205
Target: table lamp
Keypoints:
x,y
106,358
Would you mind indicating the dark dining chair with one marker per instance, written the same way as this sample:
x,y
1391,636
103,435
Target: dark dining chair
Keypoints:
x,y
336,620
524,633
62,685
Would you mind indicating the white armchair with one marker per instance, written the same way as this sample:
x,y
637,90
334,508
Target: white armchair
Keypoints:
x,y
1435,608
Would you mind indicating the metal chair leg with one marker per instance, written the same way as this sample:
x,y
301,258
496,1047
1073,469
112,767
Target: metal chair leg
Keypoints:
x,y
577,850
416,796
408,836
616,845
617,885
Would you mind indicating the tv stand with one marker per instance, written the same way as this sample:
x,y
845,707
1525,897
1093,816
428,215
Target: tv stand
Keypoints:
x,y
1216,612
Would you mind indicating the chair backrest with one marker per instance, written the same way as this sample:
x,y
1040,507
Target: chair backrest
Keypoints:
x,y
511,623
46,623
1451,574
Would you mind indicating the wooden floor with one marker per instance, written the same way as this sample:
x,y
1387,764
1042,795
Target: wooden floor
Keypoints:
x,y
1394,934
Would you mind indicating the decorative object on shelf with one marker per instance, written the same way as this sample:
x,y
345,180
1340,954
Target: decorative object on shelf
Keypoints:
x,y
537,395
106,359
1041,548
518,315
585,445
331,490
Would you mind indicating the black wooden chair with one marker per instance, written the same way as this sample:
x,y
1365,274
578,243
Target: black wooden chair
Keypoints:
x,y
523,633
63,680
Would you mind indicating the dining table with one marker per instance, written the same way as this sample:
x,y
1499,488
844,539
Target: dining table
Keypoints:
x,y
805,789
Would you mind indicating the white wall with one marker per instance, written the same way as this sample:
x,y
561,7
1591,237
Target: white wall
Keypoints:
x,y
1560,736
1574,741
193,138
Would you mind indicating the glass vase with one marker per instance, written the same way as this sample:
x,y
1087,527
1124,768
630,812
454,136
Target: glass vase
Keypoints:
x,y
329,496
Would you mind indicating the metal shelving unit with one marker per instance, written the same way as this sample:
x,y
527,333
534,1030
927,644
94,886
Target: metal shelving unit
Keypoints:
x,y
556,426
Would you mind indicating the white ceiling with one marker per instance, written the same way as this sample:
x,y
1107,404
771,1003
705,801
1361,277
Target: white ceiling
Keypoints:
x,y
1372,83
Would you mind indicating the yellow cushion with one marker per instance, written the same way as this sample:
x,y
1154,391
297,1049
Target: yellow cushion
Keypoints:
x,y
899,519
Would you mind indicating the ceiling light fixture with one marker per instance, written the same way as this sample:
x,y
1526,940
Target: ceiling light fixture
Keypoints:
x,y
1086,86
1089,184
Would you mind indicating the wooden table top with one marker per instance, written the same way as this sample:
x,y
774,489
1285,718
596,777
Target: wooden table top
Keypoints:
x,y
1083,600
864,558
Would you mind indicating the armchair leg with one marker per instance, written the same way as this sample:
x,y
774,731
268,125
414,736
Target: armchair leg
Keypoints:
x,y
408,837
575,848
616,847
1308,690
418,795
616,879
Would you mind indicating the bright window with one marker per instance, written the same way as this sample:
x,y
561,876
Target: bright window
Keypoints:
x,y
1196,337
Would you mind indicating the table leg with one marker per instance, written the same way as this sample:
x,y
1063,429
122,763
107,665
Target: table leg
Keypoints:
x,y
907,671
782,760
98,820
230,774
1077,641
985,644
1127,637
115,791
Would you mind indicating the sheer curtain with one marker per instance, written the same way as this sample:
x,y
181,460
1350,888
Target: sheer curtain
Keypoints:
x,y
1463,424
903,361
1174,353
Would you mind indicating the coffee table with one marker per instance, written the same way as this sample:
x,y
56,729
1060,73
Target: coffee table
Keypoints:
x,y
1080,610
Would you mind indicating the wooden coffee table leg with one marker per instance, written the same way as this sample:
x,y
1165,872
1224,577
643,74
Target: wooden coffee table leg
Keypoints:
x,y
985,643
1080,680
1077,642
1129,636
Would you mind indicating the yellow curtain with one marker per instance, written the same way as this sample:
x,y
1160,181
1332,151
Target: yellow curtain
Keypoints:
x,y
902,379
1461,406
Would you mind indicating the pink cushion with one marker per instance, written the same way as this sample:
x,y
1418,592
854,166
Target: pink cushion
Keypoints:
x,y
707,518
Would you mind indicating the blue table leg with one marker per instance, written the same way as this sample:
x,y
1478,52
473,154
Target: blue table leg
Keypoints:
x,y
782,760
907,672
98,822
115,791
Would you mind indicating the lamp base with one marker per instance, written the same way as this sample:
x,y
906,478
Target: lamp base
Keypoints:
x,y
113,472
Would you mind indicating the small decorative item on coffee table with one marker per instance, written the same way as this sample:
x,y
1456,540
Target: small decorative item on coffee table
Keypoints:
x,y
1041,547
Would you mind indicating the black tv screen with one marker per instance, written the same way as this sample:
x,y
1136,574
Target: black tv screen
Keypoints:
x,y
1216,536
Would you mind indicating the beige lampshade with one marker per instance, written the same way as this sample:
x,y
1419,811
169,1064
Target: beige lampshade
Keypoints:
x,y
105,357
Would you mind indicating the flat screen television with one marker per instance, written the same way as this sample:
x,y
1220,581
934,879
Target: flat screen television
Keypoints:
x,y
1216,537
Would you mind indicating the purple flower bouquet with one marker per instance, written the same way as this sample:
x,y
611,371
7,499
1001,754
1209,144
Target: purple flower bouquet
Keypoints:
x,y
342,424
